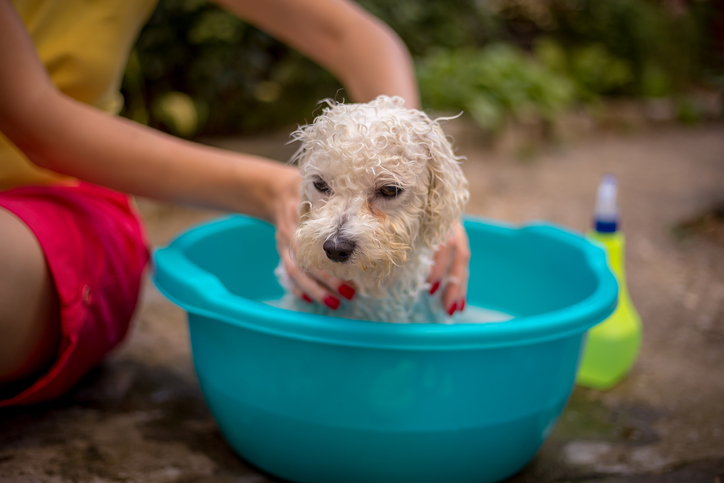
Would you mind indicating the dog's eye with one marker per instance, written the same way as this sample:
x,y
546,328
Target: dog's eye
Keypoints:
x,y
321,186
391,191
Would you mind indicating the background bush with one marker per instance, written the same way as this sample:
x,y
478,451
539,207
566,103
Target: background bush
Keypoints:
x,y
197,70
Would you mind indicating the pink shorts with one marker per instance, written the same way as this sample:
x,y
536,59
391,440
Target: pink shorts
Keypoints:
x,y
96,250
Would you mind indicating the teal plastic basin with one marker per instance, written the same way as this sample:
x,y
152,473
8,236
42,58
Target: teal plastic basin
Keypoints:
x,y
320,399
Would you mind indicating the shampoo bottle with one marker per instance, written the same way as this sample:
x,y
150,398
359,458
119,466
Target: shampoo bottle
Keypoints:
x,y
611,346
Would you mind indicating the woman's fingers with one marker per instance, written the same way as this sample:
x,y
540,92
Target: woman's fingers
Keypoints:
x,y
450,271
341,287
317,286
308,289
455,295
441,261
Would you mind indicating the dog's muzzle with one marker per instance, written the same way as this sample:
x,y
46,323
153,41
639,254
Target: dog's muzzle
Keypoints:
x,y
339,249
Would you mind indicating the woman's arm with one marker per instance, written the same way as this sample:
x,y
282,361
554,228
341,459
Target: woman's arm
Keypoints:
x,y
357,48
69,137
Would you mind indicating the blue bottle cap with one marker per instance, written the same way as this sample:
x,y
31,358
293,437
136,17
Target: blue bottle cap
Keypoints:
x,y
606,211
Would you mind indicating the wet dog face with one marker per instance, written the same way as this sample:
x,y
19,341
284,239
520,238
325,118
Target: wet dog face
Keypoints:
x,y
379,181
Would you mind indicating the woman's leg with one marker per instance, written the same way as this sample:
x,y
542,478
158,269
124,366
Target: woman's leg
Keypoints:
x,y
63,308
29,312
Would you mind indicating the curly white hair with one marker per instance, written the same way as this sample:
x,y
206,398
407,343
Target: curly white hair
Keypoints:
x,y
381,189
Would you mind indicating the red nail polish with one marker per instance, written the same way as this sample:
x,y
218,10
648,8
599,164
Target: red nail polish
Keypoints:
x,y
306,298
452,308
346,291
434,287
331,302
462,305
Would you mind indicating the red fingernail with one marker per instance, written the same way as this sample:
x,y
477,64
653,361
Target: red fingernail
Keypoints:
x,y
306,298
434,287
346,291
462,305
331,302
452,308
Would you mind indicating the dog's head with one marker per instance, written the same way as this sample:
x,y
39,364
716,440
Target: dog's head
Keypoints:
x,y
379,181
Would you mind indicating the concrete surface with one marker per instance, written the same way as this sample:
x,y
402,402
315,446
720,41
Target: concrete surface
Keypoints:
x,y
141,416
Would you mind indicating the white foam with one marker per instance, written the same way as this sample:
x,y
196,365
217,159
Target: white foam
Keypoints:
x,y
479,315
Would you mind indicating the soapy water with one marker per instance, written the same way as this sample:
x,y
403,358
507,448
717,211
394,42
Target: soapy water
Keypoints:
x,y
471,315
479,315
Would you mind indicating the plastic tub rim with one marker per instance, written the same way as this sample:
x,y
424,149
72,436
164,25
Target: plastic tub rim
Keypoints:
x,y
219,303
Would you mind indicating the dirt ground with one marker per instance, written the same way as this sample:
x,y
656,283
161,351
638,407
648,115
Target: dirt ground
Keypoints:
x,y
141,416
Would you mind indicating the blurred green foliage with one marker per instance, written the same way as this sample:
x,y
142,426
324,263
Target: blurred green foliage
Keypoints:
x,y
237,77
592,68
199,70
662,48
492,83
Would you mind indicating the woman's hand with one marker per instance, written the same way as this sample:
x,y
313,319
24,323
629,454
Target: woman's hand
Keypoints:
x,y
450,270
316,286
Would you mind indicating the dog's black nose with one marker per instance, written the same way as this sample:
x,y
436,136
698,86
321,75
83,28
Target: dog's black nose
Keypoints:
x,y
338,249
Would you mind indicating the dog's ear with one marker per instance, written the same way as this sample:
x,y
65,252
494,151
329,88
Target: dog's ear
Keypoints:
x,y
447,188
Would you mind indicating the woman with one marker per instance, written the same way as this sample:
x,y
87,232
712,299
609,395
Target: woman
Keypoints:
x,y
72,250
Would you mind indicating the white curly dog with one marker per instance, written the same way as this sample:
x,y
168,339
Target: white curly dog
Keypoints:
x,y
381,188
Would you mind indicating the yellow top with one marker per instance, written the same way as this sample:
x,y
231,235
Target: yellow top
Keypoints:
x,y
84,45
